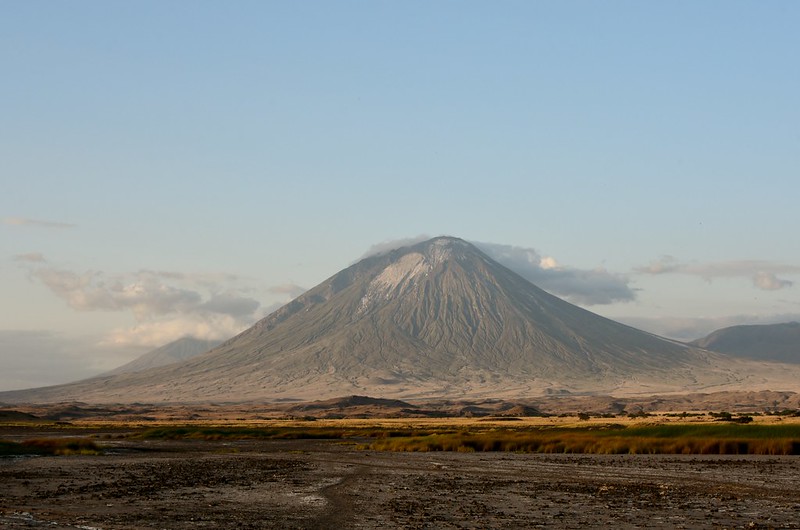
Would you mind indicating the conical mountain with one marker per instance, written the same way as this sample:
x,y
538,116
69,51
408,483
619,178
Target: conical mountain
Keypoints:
x,y
442,309
169,353
436,319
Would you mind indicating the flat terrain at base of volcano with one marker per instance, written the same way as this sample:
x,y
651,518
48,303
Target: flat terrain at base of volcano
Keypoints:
x,y
141,483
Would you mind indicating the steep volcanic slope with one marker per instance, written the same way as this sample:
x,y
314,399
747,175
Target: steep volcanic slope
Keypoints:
x,y
173,352
770,342
437,319
438,309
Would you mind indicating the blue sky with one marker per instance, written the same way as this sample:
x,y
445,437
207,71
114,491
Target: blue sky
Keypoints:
x,y
183,167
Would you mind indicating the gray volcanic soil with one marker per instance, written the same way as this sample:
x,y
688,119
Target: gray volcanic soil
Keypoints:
x,y
325,484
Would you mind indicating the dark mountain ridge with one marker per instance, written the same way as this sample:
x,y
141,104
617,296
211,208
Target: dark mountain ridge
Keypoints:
x,y
763,342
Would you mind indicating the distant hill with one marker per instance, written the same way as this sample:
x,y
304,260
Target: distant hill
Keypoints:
x,y
14,416
168,354
438,319
766,342
351,401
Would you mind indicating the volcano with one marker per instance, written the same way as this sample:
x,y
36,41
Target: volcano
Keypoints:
x,y
437,319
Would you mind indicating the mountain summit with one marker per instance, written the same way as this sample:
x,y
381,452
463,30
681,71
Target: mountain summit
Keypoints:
x,y
435,319
443,311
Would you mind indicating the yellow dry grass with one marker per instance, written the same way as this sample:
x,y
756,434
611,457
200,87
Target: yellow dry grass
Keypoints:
x,y
427,423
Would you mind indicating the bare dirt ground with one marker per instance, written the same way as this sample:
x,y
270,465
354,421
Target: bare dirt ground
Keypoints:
x,y
355,407
330,484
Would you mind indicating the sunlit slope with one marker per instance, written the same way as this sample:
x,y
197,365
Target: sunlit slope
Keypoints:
x,y
437,319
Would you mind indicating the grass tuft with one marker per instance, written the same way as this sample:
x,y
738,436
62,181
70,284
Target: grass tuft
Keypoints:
x,y
729,439
50,447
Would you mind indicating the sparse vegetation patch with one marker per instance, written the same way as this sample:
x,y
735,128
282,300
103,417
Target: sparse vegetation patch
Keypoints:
x,y
241,433
281,433
614,439
50,447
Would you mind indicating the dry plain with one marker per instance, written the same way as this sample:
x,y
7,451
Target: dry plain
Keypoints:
x,y
234,482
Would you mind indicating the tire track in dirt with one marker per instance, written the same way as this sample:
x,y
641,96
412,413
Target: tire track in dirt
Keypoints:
x,y
340,511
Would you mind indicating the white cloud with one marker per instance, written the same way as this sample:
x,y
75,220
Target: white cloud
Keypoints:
x,y
548,263
230,304
588,287
166,305
767,281
31,257
38,223
289,289
155,333
580,286
662,265
762,273
393,244
144,295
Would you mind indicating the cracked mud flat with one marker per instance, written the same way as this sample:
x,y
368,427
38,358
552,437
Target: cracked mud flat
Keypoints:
x,y
322,484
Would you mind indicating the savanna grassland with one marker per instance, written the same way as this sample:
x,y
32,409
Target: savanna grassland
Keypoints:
x,y
491,435
692,470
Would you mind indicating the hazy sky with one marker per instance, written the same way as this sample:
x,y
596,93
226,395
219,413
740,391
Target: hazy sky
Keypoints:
x,y
173,168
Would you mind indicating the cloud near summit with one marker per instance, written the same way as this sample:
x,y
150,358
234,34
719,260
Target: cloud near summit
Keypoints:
x,y
391,244
580,286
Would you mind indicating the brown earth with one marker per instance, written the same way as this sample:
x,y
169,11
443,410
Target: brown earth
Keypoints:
x,y
331,484
368,407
